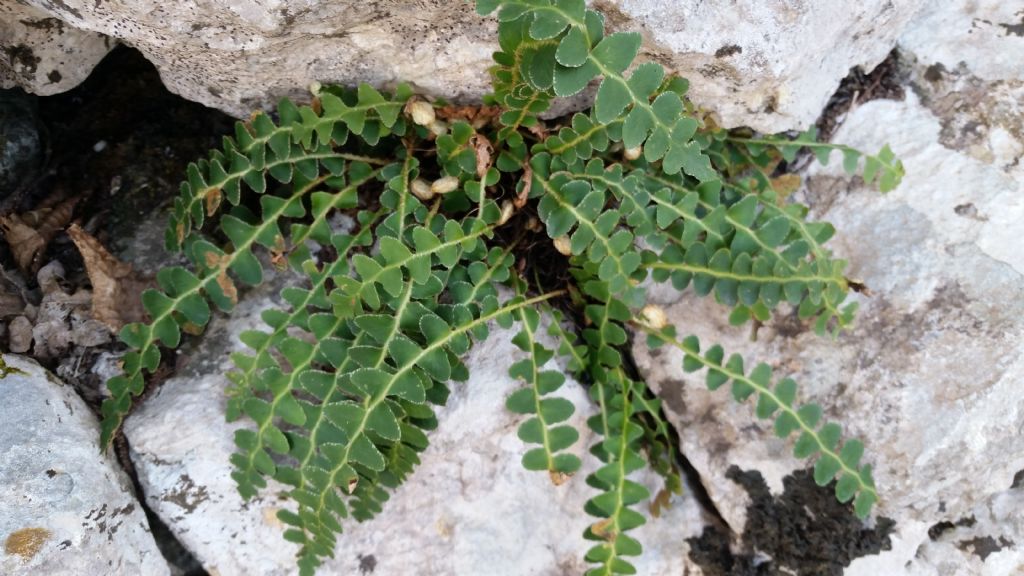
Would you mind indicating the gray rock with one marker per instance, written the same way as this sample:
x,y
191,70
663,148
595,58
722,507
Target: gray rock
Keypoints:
x,y
930,377
20,147
469,508
43,53
770,65
65,508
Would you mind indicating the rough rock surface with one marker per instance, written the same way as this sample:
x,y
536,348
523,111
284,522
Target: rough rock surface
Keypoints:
x,y
931,375
986,542
985,36
64,507
44,54
770,65
470,508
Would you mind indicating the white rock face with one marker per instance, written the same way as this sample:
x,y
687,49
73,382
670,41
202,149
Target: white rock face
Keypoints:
x,y
470,507
986,36
64,507
985,543
770,65
930,378
43,53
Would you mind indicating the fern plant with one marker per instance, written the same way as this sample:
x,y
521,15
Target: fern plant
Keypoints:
x,y
342,382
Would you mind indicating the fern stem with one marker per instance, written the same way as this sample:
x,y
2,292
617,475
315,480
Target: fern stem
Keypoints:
x,y
565,337
534,382
812,432
795,142
627,411
729,275
584,136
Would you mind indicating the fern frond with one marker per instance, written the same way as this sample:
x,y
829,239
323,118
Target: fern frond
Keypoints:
x,y
581,53
522,101
778,401
184,295
581,139
620,452
884,166
535,400
752,253
261,147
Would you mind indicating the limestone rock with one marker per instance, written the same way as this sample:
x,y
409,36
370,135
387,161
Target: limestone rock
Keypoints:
x,y
469,508
987,542
985,36
65,508
43,53
770,65
930,376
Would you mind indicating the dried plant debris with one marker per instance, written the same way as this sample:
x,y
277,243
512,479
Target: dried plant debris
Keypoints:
x,y
29,234
63,319
116,288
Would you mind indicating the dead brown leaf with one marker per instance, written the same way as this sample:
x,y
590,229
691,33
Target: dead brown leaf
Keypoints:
x,y
212,200
603,529
559,478
539,130
520,200
660,502
482,147
477,116
116,288
785,185
225,283
28,234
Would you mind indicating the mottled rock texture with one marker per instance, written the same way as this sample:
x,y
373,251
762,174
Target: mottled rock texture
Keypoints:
x,y
65,507
44,53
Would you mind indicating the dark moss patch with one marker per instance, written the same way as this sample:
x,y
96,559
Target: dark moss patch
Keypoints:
x,y
805,531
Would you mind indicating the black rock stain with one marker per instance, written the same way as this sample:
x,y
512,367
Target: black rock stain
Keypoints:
x,y
804,531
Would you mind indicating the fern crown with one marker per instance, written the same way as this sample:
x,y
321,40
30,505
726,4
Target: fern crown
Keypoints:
x,y
453,208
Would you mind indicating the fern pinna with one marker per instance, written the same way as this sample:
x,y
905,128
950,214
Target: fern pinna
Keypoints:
x,y
341,383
